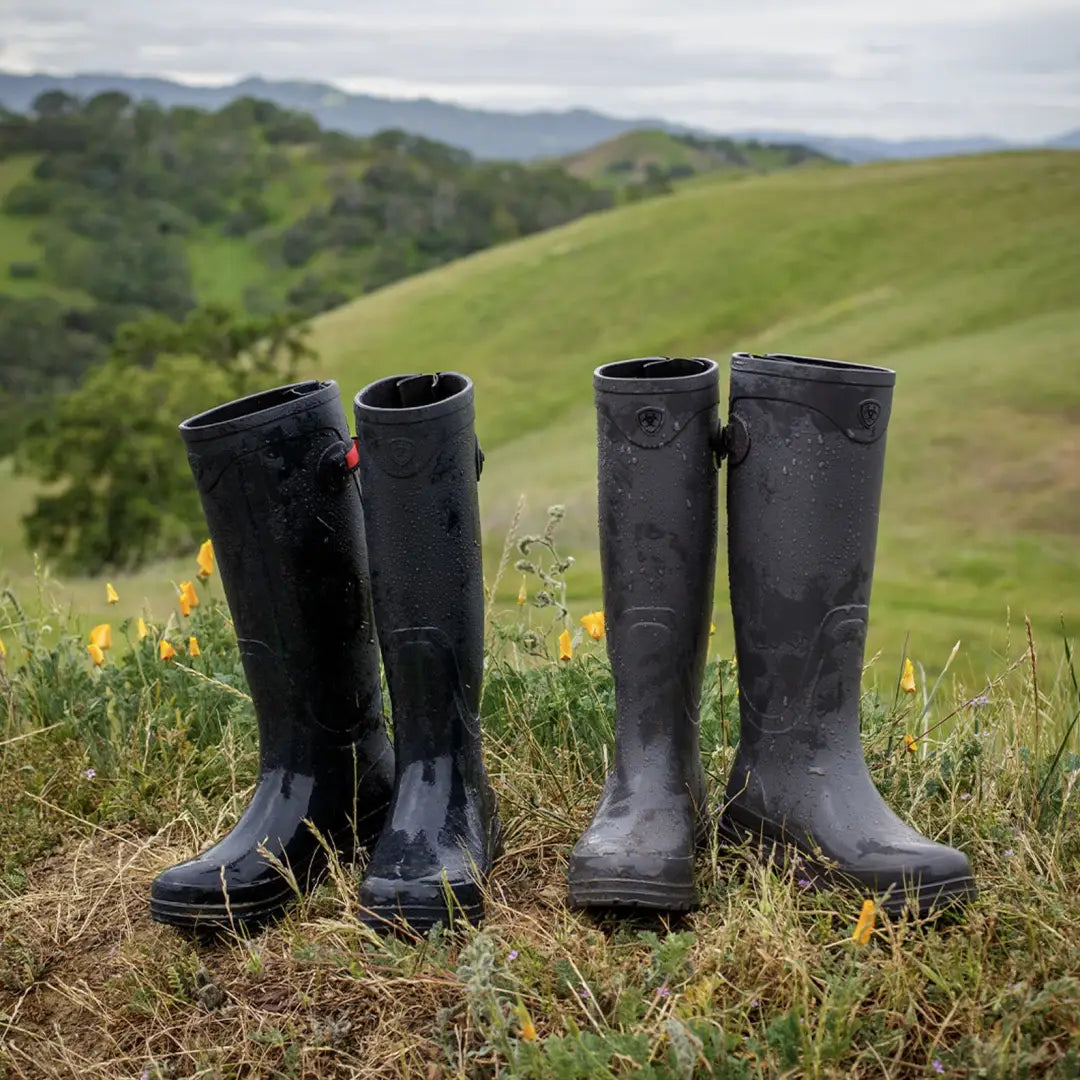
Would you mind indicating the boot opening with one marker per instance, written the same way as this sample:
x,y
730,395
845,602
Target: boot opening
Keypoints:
x,y
255,403
655,367
813,368
412,391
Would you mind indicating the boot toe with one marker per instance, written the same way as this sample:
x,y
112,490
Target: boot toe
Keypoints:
x,y
919,877
202,893
613,865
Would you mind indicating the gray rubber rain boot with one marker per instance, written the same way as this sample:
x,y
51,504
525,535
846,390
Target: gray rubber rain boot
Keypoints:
x,y
656,428
419,467
806,451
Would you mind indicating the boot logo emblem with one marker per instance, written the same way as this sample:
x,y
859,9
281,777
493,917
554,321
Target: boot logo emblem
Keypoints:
x,y
650,419
401,451
869,411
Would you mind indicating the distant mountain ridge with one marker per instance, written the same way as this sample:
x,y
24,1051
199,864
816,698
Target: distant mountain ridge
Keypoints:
x,y
484,133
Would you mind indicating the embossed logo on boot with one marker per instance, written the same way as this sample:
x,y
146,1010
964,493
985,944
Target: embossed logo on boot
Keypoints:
x,y
401,451
650,419
869,411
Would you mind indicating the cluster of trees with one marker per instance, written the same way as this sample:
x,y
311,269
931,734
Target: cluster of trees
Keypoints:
x,y
119,488
120,190
418,203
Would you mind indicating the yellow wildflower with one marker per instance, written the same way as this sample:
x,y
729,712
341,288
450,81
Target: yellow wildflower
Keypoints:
x,y
188,597
140,628
864,927
165,650
712,629
909,742
907,680
523,593
111,595
101,636
566,650
525,1023
3,649
594,624
205,559
97,654
193,646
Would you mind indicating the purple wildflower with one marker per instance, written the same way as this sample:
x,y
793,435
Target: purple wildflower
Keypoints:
x,y
663,991
979,702
804,883
90,774
1007,852
937,1066
584,992
965,796
513,955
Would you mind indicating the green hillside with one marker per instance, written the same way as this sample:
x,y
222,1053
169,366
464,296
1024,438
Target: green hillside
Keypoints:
x,y
962,274
647,160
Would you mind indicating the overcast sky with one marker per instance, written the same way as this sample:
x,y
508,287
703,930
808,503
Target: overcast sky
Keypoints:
x,y
921,67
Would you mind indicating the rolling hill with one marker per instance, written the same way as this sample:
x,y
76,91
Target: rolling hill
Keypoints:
x,y
963,274
653,156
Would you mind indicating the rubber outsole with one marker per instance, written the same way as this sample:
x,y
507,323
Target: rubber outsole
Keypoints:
x,y
410,919
910,897
212,917
611,893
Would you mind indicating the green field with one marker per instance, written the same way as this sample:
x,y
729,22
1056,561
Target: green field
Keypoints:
x,y
962,274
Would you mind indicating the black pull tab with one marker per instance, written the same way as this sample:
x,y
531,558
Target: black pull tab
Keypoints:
x,y
416,390
479,459
337,463
735,440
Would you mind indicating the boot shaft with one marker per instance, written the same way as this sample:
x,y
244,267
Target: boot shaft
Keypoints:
x,y
287,525
657,502
419,467
806,453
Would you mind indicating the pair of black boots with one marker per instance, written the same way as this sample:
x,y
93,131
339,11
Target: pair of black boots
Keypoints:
x,y
805,449
310,570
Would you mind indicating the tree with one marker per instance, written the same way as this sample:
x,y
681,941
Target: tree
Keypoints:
x,y
120,487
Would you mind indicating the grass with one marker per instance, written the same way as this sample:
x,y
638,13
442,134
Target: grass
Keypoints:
x,y
962,274
107,775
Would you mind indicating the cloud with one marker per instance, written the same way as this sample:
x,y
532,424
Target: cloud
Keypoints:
x,y
1003,66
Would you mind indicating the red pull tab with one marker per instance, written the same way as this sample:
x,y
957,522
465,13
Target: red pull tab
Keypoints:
x,y
352,456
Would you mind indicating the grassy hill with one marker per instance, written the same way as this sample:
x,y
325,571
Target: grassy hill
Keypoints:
x,y
962,274
654,157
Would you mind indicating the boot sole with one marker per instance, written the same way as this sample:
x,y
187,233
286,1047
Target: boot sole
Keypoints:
x,y
634,894
410,919
213,917
921,899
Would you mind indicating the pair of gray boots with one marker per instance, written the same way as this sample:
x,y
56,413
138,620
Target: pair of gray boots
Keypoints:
x,y
805,450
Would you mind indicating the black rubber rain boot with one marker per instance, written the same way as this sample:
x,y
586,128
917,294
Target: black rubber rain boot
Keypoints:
x,y
656,427
806,452
274,473
419,466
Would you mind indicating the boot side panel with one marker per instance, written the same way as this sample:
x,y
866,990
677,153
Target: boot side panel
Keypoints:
x,y
289,542
657,502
